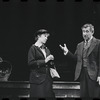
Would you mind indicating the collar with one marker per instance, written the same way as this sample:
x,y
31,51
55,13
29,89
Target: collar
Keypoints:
x,y
38,44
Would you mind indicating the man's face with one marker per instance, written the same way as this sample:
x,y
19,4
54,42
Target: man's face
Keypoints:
x,y
86,32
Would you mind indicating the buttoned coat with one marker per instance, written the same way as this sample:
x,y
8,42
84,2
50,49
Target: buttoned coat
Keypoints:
x,y
36,62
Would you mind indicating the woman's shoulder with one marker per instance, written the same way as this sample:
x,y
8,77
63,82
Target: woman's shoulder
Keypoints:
x,y
33,46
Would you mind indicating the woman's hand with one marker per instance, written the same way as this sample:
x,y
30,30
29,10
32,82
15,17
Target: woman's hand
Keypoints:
x,y
50,57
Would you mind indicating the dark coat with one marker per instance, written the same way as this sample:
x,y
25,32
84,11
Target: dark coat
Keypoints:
x,y
36,62
93,59
40,78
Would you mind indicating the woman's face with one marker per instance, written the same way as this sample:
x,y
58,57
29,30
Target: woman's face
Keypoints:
x,y
43,38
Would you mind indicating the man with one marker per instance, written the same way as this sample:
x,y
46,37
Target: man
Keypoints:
x,y
87,55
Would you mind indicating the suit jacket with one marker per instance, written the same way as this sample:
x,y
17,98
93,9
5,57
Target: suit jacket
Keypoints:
x,y
93,55
36,62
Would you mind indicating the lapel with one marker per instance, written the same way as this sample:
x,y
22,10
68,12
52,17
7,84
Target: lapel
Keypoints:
x,y
93,44
46,50
39,51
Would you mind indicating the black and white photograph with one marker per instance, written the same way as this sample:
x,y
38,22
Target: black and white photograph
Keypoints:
x,y
50,49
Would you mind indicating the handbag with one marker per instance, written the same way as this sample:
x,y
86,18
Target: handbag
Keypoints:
x,y
54,73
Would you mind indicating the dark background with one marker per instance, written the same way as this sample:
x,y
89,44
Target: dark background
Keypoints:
x,y
20,20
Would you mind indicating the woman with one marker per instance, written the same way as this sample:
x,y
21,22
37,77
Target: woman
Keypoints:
x,y
38,58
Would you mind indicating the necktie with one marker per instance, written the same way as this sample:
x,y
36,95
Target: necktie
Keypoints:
x,y
86,45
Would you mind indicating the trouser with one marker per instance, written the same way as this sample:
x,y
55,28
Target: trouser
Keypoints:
x,y
87,86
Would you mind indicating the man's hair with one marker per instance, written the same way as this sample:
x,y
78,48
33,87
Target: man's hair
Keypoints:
x,y
40,32
88,25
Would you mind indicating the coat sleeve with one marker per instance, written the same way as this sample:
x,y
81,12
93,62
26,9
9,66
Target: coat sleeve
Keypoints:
x,y
32,61
72,56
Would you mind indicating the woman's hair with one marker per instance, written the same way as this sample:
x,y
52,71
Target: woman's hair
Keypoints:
x,y
40,32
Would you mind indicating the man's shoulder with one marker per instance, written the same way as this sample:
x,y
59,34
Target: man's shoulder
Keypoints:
x,y
80,43
97,40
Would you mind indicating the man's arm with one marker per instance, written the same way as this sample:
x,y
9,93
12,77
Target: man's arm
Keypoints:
x,y
98,78
68,53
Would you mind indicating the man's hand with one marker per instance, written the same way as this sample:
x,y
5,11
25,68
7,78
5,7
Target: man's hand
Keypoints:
x,y
64,48
98,80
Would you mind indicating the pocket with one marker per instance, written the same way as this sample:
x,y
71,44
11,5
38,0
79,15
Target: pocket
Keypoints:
x,y
36,77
